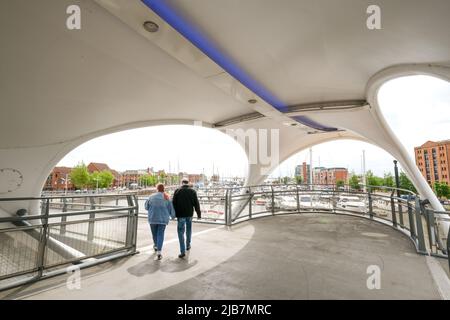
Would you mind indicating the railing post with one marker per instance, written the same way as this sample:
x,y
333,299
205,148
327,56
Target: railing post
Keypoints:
x,y
412,227
394,217
420,235
62,230
226,207
135,222
369,196
43,240
448,247
400,212
334,199
90,235
429,219
130,223
230,208
250,203
273,201
298,199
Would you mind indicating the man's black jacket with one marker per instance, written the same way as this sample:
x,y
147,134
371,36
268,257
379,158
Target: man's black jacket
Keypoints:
x,y
184,201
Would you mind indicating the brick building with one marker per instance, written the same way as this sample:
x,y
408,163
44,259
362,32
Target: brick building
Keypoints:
x,y
98,166
432,159
322,175
302,171
129,177
195,178
59,180
318,174
335,174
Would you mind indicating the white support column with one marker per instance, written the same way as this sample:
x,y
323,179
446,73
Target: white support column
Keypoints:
x,y
23,172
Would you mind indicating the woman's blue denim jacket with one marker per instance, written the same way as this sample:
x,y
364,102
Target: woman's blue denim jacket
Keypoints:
x,y
159,209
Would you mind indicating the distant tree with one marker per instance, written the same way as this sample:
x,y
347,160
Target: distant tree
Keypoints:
x,y
405,183
162,177
354,182
79,176
373,180
388,180
446,190
298,179
442,190
148,180
369,178
103,178
285,180
340,183
106,179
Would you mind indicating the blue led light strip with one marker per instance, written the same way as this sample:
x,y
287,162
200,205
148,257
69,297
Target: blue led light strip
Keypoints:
x,y
192,34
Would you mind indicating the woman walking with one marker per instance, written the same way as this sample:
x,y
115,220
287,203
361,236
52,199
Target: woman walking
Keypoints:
x,y
160,210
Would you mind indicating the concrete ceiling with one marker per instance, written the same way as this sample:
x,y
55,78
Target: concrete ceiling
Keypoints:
x,y
320,50
58,85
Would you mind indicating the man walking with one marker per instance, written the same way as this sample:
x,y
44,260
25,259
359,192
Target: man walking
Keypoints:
x,y
184,202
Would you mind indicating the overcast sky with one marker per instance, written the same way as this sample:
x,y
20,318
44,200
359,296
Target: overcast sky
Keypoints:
x,y
417,108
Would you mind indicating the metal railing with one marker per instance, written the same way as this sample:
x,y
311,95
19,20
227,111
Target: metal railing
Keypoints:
x,y
406,213
91,229
68,231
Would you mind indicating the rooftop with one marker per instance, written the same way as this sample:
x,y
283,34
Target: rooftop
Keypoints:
x,y
430,143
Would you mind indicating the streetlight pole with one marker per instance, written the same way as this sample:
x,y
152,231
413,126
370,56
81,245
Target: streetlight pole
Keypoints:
x,y
364,170
397,179
310,169
397,183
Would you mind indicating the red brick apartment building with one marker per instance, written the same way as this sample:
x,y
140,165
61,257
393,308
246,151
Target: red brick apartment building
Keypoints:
x,y
97,166
57,179
302,171
432,159
330,175
130,177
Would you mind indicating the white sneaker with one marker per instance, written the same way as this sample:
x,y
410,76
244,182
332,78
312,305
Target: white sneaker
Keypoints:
x,y
158,257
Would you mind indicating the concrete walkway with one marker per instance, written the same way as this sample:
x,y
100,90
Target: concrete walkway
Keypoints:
x,y
308,256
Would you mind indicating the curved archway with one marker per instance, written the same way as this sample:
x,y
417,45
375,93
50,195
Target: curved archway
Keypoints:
x,y
417,108
339,153
46,157
172,148
372,93
254,176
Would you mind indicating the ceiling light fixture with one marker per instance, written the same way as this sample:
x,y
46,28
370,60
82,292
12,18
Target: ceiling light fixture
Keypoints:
x,y
252,101
150,26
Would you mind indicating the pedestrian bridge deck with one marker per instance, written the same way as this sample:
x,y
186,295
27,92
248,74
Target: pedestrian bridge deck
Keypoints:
x,y
307,256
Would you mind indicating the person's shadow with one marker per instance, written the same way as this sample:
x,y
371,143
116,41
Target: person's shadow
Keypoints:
x,y
170,265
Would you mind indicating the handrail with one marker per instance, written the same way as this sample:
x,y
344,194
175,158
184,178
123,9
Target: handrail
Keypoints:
x,y
83,241
405,215
105,195
413,219
309,185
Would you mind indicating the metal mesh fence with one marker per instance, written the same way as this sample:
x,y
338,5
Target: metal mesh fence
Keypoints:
x,y
73,229
34,244
18,252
